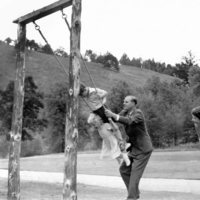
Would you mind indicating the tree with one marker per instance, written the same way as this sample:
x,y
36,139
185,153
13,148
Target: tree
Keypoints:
x,y
167,108
109,61
117,95
182,69
153,118
33,104
32,45
56,104
153,85
136,62
8,40
61,52
90,55
100,59
149,64
189,60
47,49
125,60
169,69
194,79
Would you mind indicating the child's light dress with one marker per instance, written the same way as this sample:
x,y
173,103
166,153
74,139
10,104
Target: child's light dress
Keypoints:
x,y
110,147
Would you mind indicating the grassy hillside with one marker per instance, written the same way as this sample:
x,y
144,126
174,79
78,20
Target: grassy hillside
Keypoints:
x,y
46,71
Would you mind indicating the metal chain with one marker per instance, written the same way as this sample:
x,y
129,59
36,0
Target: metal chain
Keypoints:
x,y
64,16
88,73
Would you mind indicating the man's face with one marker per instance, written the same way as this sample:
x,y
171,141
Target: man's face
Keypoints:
x,y
128,103
196,121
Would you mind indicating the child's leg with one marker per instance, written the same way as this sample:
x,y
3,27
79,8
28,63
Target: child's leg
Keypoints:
x,y
122,144
110,142
123,157
119,159
116,130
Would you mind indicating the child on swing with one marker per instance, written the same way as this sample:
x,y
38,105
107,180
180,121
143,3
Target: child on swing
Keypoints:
x,y
96,99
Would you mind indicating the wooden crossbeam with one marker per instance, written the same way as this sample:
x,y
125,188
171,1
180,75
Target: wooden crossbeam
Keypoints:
x,y
47,10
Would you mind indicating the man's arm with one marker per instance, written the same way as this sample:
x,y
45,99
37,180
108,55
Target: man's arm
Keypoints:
x,y
128,119
132,119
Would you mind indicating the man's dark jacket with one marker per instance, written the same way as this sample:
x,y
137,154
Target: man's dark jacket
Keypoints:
x,y
136,131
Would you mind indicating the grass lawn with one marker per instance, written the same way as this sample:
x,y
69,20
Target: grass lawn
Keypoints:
x,y
172,164
41,191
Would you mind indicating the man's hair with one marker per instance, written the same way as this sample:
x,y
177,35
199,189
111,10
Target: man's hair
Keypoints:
x,y
196,112
82,89
134,99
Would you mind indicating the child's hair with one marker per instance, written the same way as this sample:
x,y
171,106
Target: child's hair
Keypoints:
x,y
82,89
196,112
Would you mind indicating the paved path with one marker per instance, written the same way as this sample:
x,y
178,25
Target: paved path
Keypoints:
x,y
146,184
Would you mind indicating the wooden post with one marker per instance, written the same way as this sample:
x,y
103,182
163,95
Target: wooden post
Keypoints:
x,y
16,129
71,129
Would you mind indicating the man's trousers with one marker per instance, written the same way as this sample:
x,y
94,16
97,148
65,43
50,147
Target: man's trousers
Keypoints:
x,y
132,174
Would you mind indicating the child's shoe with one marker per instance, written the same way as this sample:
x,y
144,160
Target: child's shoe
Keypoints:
x,y
126,159
127,145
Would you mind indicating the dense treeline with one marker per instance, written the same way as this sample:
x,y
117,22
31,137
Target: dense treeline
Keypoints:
x,y
108,60
180,70
167,107
34,46
33,121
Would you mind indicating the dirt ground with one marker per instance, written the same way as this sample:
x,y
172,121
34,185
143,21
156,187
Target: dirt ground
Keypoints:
x,y
41,191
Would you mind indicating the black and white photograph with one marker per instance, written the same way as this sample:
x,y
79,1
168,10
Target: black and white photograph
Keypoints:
x,y
100,100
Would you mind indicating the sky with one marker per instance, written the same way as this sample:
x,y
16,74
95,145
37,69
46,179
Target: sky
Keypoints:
x,y
163,30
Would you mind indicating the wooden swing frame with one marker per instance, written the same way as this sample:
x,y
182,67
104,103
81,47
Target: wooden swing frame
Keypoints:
x,y
71,128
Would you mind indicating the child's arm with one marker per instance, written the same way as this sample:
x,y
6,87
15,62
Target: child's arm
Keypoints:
x,y
102,95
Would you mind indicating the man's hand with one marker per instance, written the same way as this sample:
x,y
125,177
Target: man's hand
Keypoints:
x,y
108,113
111,114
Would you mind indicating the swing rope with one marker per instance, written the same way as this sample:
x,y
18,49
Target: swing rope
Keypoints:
x,y
88,73
64,16
37,27
43,37
92,83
